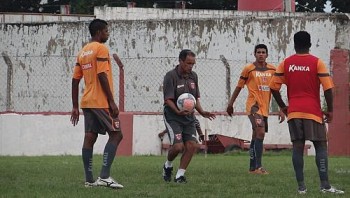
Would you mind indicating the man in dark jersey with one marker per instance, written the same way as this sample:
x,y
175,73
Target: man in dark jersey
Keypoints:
x,y
98,105
303,73
181,124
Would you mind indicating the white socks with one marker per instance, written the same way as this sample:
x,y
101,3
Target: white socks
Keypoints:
x,y
180,172
168,164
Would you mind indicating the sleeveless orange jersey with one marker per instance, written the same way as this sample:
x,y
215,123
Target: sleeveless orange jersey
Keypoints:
x,y
92,60
309,72
257,81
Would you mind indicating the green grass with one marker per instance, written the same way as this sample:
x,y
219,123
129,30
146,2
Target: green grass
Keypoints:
x,y
223,175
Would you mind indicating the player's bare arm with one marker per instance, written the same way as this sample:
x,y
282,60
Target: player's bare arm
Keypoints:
x,y
277,95
203,113
75,97
107,90
235,94
328,94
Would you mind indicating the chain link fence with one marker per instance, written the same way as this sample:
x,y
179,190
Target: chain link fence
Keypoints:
x,y
43,83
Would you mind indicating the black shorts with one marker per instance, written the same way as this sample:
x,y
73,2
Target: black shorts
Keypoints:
x,y
306,129
180,133
257,120
100,121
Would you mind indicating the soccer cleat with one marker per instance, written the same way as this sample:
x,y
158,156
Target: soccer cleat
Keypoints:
x,y
332,190
302,190
181,179
260,171
167,173
90,184
109,182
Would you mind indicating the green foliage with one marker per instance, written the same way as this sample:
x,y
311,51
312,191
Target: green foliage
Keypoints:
x,y
341,6
19,5
211,176
310,5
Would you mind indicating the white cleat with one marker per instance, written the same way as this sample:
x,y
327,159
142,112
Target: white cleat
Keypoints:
x,y
332,190
108,182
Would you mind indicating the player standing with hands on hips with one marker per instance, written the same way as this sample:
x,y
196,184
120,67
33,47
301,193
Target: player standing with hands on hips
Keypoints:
x,y
98,105
256,76
180,124
303,73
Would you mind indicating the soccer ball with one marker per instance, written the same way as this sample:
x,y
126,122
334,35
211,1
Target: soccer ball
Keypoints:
x,y
186,101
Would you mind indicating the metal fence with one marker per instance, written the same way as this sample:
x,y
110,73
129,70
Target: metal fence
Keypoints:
x,y
43,83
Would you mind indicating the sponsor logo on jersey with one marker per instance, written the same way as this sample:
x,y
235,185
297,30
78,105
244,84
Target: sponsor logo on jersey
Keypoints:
x,y
86,66
263,88
263,74
179,86
293,68
86,53
193,85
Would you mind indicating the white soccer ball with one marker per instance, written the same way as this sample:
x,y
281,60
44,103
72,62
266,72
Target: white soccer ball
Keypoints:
x,y
186,101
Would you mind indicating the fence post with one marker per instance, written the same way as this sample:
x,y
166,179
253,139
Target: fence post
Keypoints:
x,y
9,83
121,82
339,133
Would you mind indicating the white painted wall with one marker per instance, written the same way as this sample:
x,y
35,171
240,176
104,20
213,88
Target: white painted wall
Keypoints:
x,y
37,135
43,54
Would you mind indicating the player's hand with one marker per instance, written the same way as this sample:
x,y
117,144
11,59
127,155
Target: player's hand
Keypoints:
x,y
113,109
208,115
229,110
285,110
281,116
328,117
74,118
201,137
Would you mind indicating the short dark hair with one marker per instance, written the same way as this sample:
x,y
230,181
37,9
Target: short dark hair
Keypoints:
x,y
261,46
97,25
184,53
302,40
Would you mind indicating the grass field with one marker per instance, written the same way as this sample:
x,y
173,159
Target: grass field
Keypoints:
x,y
223,175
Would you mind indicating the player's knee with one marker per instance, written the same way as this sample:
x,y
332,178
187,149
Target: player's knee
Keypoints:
x,y
178,148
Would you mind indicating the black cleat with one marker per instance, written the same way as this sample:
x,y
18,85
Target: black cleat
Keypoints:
x,y
167,173
181,179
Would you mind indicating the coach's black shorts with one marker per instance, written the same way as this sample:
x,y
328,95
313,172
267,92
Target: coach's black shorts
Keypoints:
x,y
306,129
100,121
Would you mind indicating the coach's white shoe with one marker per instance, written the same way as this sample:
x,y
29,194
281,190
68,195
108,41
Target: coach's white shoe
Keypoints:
x,y
108,182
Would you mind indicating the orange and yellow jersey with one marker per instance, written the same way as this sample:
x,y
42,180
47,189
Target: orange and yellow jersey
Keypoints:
x,y
92,60
303,74
257,81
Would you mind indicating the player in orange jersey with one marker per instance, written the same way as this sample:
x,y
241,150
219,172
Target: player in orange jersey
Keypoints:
x,y
256,76
303,73
100,110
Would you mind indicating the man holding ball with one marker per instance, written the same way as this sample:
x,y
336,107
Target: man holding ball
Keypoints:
x,y
181,123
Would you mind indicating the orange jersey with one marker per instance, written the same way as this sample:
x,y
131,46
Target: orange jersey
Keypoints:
x,y
257,81
303,74
92,60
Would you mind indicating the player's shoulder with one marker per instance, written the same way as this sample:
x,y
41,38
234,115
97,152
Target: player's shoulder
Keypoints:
x,y
249,67
270,66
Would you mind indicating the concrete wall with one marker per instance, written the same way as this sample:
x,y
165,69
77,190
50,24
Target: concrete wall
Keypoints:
x,y
41,18
36,135
42,55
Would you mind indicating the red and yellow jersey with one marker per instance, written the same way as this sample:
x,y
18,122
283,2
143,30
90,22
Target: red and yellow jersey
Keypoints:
x,y
303,74
92,60
257,81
